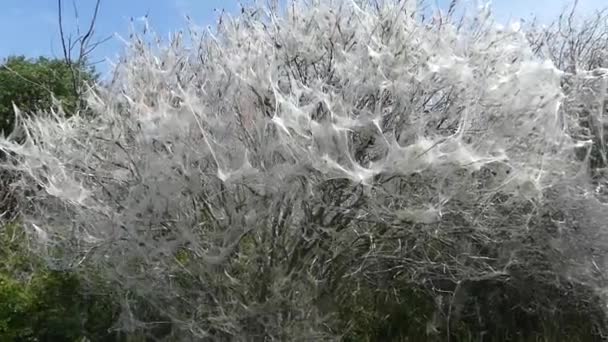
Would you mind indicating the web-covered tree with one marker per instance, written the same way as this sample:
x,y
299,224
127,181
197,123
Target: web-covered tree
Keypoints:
x,y
341,169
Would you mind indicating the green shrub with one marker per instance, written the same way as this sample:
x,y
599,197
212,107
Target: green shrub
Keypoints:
x,y
15,309
32,83
38,304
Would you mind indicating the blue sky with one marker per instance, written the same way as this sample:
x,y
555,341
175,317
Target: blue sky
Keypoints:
x,y
29,27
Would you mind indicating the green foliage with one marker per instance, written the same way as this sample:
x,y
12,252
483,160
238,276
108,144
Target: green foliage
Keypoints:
x,y
55,306
15,305
375,315
31,85
38,304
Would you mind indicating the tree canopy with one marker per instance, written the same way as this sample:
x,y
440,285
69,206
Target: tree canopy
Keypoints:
x,y
31,84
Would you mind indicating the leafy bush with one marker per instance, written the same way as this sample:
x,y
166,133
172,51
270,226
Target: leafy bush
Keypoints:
x,y
38,304
32,84
14,310
295,174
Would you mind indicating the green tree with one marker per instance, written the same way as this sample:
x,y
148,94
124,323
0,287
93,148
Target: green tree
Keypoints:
x,y
31,85
39,304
